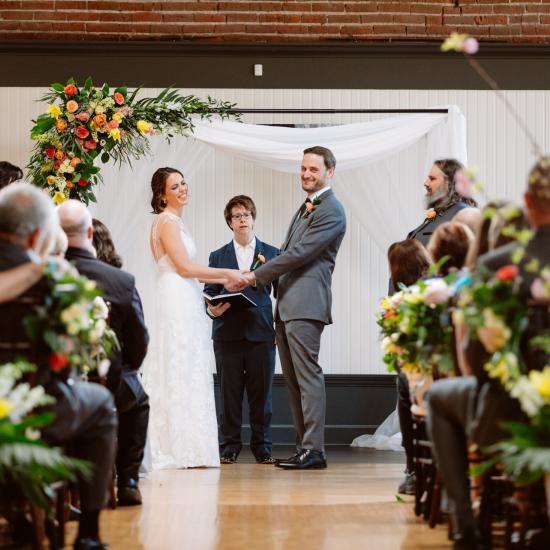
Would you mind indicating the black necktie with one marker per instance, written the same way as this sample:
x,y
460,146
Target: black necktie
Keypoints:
x,y
304,207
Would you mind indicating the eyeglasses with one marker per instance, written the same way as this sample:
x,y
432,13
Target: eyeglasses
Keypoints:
x,y
237,217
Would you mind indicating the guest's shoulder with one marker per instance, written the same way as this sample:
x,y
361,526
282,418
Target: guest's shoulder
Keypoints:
x,y
268,249
221,250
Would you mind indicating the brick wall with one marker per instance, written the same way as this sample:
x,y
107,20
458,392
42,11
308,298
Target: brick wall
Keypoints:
x,y
267,21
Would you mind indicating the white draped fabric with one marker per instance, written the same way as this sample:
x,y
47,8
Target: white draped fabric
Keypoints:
x,y
380,168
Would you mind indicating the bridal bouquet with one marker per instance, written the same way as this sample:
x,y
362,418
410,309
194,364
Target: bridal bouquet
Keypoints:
x,y
25,461
84,123
73,323
415,327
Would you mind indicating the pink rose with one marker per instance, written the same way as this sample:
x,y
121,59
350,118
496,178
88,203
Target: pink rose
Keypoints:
x,y
83,116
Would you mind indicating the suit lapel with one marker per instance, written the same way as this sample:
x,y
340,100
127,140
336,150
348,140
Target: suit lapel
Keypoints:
x,y
230,258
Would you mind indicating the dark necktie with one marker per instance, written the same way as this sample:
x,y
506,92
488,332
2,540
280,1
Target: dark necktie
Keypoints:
x,y
304,208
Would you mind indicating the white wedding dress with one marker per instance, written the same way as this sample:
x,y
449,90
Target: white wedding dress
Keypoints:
x,y
183,430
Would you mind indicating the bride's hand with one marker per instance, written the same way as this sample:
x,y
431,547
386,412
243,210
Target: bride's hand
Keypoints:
x,y
235,280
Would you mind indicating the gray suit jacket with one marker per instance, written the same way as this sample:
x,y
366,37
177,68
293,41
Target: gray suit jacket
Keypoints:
x,y
304,267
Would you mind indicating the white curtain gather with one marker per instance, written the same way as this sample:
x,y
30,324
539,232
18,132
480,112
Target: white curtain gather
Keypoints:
x,y
353,145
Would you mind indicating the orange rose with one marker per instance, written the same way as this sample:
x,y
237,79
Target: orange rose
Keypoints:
x,y
75,161
70,90
50,180
69,184
507,273
100,120
58,361
72,106
310,207
431,214
59,154
90,144
60,125
82,132
119,98
261,258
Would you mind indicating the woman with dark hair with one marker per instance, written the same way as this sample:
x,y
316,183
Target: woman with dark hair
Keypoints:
x,y
183,428
409,261
104,246
451,240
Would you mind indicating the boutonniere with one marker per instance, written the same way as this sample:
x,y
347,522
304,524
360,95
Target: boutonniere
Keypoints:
x,y
258,261
431,214
311,206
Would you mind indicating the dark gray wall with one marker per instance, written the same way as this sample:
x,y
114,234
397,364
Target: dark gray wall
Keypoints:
x,y
413,65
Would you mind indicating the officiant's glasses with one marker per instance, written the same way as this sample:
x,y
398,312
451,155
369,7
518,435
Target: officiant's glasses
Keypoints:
x,y
237,217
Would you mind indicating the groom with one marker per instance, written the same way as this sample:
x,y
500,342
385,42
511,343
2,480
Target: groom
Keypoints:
x,y
304,269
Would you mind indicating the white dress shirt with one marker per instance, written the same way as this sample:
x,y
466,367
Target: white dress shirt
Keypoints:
x,y
317,194
245,254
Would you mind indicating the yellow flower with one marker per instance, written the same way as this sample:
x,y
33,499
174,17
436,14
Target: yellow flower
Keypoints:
x,y
115,134
143,126
413,298
454,42
385,303
54,111
118,117
541,381
5,408
411,367
59,197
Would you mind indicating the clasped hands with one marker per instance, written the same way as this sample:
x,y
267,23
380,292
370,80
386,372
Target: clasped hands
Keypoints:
x,y
239,280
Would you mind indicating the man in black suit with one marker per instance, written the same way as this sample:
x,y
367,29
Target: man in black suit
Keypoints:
x,y
474,407
443,202
126,319
85,418
244,339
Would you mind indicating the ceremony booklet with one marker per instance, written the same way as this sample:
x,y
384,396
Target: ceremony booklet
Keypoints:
x,y
237,300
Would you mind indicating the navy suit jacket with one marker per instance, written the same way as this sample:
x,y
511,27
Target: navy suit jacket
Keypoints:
x,y
254,324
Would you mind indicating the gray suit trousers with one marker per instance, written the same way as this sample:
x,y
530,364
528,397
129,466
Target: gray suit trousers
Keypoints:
x,y
298,342
451,404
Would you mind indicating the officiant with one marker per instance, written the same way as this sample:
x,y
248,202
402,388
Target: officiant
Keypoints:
x,y
244,339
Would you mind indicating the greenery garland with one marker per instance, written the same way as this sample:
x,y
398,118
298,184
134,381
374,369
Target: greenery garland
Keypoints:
x,y
85,123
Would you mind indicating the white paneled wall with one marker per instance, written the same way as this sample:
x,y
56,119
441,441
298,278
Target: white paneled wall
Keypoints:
x,y
495,144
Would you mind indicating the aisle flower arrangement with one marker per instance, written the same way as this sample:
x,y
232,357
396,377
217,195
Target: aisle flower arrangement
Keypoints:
x,y
84,124
25,460
415,327
73,322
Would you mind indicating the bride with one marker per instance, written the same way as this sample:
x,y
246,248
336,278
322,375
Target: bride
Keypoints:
x,y
183,430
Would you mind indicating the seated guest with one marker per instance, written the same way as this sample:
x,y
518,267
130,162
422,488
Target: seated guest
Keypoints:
x,y
474,407
103,244
470,217
451,240
409,261
9,173
126,319
85,418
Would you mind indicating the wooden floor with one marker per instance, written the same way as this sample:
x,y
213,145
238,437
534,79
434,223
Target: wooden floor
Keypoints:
x,y
351,505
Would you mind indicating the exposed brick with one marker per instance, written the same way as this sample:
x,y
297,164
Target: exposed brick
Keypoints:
x,y
274,21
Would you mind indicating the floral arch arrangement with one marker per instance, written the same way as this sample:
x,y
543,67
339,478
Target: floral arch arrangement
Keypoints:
x,y
85,123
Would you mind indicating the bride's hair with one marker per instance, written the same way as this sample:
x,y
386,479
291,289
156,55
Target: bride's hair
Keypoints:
x,y
158,186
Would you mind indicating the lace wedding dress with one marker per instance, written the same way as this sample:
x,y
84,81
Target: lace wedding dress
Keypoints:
x,y
183,431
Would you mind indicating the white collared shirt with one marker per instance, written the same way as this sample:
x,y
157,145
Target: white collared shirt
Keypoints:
x,y
245,254
317,194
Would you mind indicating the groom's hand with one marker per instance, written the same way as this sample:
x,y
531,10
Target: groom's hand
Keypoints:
x,y
236,281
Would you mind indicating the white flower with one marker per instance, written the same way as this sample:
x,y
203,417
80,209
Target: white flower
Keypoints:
x,y
101,311
437,292
540,290
103,367
530,400
32,434
98,330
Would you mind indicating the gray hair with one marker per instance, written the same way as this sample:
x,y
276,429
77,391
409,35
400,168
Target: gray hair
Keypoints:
x,y
25,209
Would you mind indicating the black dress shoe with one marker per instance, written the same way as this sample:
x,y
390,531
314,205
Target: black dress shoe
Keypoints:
x,y
229,458
470,539
129,494
265,458
308,459
89,544
292,458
